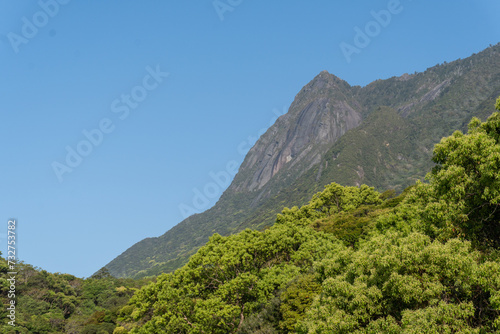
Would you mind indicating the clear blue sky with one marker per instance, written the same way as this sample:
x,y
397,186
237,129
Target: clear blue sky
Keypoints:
x,y
86,65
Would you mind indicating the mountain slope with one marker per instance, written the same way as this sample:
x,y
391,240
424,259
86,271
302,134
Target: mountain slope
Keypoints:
x,y
381,134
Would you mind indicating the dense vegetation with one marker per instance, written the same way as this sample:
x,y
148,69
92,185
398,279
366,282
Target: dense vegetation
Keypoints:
x,y
352,260
63,303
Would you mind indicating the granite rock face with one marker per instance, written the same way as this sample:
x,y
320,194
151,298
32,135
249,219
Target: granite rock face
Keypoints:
x,y
317,118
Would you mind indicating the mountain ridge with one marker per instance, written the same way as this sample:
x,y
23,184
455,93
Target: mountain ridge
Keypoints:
x,y
380,134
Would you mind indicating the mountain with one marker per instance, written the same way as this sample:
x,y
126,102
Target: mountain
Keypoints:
x,y
381,134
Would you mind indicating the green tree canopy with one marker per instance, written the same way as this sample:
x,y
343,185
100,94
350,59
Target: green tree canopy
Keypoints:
x,y
467,177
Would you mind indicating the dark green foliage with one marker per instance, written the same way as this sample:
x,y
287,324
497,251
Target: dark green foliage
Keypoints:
x,y
297,299
264,320
391,202
63,303
349,226
99,328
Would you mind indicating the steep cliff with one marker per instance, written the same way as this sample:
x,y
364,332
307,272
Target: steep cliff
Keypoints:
x,y
321,113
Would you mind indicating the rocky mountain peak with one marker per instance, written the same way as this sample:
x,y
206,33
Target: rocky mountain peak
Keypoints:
x,y
320,114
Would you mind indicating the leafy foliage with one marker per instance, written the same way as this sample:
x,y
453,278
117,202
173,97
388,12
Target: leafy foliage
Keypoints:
x,y
467,175
352,260
395,279
227,280
63,303
296,299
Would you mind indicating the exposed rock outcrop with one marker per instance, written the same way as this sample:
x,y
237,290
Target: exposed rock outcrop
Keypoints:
x,y
317,118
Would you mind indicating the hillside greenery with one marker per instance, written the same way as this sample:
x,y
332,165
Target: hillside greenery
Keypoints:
x,y
62,303
352,260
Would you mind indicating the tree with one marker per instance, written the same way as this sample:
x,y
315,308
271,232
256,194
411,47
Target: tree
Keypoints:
x,y
228,280
467,179
405,284
296,299
332,200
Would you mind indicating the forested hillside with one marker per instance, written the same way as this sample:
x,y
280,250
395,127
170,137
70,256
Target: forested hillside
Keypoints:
x,y
352,260
381,135
63,303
